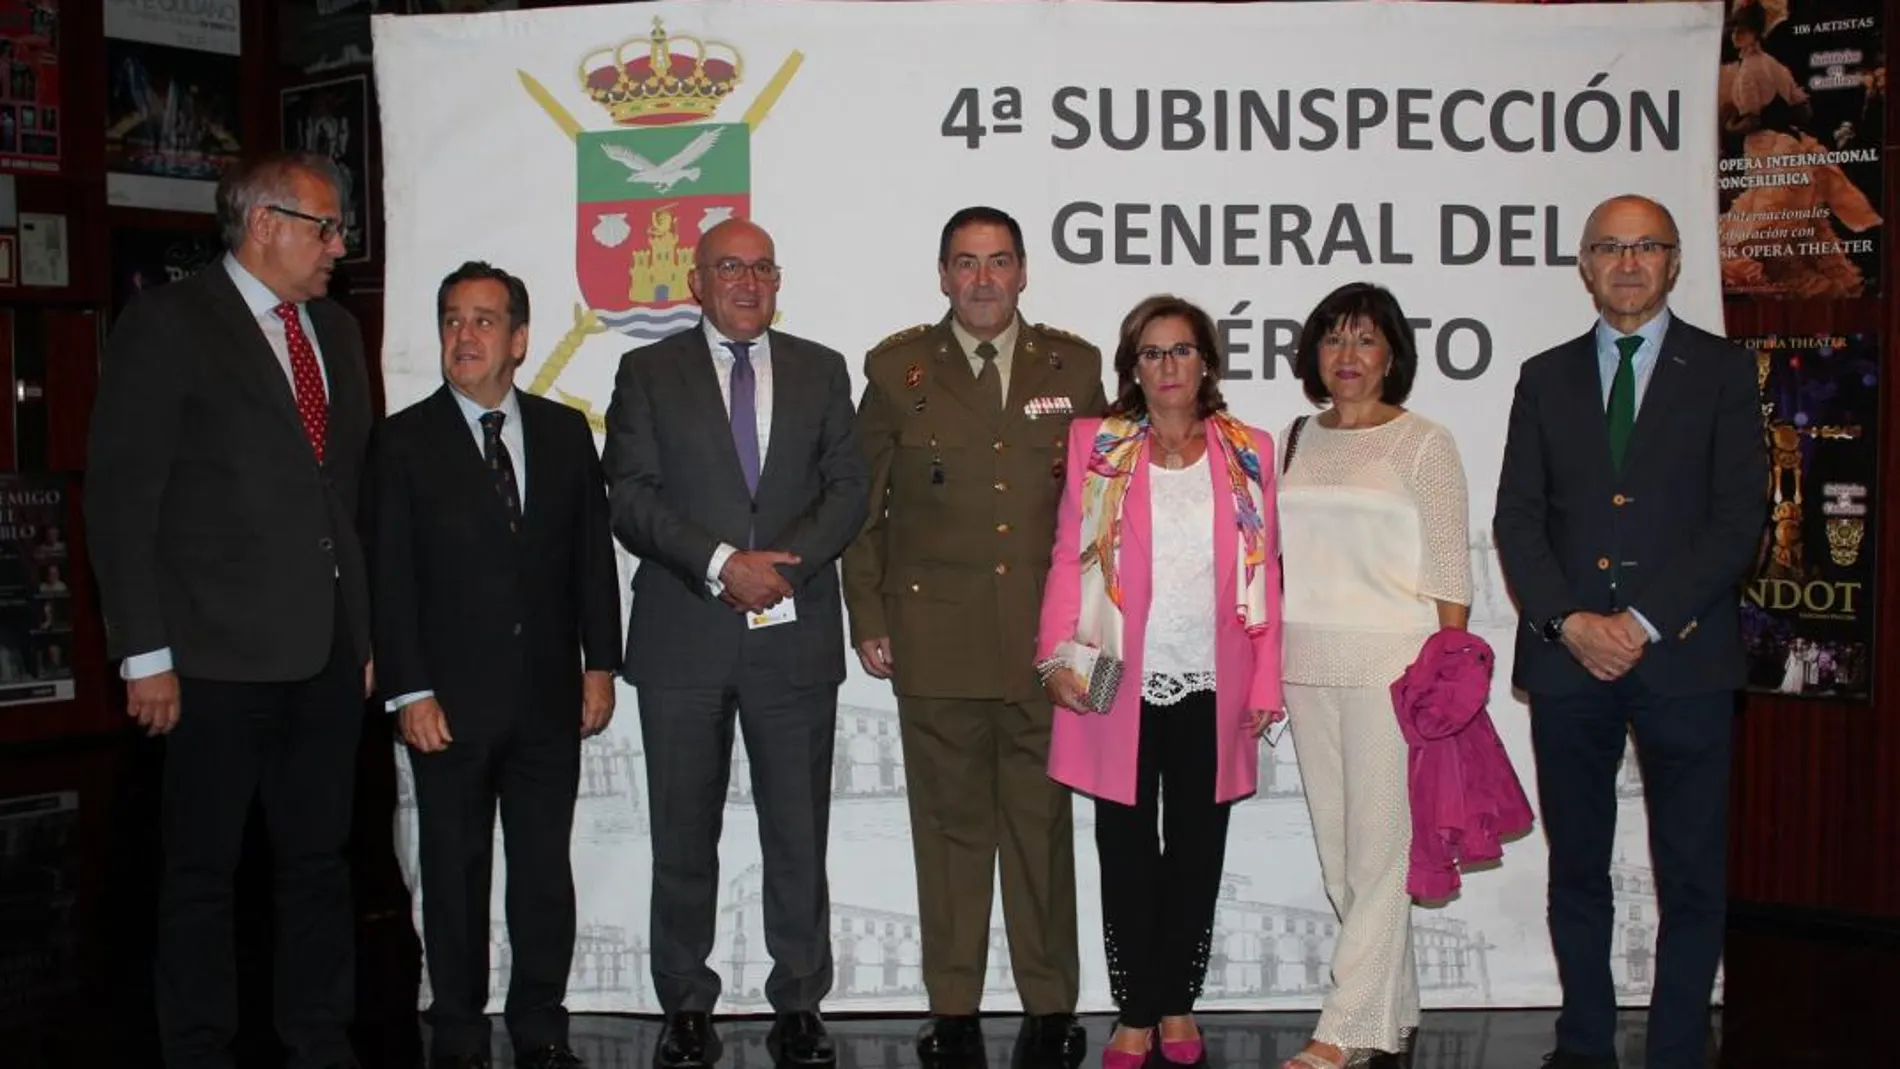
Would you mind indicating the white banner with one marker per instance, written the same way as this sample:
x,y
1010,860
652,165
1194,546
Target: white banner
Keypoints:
x,y
1249,157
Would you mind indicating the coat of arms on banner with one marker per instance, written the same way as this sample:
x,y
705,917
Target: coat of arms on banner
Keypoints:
x,y
646,189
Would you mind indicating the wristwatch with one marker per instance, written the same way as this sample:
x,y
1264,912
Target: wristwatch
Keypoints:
x,y
1553,629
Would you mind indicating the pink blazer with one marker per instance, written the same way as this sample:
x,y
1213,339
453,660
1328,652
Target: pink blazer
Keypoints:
x,y
1095,753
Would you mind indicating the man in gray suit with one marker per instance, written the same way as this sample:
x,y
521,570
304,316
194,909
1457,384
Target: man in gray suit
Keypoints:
x,y
735,475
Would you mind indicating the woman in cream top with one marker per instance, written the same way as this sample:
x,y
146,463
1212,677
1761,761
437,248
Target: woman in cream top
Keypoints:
x,y
1373,527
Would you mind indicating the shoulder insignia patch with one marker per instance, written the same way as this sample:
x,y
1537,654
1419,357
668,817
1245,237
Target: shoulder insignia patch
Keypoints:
x,y
900,337
1058,332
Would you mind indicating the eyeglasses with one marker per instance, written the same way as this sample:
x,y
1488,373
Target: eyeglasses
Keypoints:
x,y
326,228
731,270
1613,250
1181,350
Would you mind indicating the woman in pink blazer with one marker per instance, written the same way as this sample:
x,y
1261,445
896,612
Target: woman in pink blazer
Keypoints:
x,y
1165,566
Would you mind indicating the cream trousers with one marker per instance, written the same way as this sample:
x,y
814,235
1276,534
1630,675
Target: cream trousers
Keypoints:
x,y
1353,768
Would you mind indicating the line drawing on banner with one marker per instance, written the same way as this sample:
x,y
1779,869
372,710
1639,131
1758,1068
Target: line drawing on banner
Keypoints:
x,y
632,252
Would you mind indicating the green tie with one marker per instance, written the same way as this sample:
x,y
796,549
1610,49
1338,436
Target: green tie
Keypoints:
x,y
1623,398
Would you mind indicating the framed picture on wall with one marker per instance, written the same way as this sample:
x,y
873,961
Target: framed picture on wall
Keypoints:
x,y
331,119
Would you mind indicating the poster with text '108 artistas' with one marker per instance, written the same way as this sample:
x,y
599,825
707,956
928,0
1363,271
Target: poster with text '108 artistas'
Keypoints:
x,y
1808,612
1802,100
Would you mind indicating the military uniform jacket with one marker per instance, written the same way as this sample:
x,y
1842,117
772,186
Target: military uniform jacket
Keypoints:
x,y
951,561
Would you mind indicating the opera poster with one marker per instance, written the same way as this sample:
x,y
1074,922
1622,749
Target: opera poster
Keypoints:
x,y
31,116
331,119
143,259
1802,105
171,125
1808,613
36,622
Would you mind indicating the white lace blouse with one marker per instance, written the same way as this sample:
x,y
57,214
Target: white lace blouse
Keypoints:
x,y
1373,530
1177,654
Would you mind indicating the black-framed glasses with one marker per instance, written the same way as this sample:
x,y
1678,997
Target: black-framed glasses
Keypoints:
x,y
326,228
1181,350
732,270
1646,249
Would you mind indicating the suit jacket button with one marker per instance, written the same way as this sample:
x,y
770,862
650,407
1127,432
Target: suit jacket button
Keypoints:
x,y
1603,564
325,545
1002,569
1619,501
997,445
916,588
1002,528
999,487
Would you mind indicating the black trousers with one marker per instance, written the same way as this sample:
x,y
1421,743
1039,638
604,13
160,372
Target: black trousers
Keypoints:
x,y
531,764
295,745
1683,744
789,735
1159,892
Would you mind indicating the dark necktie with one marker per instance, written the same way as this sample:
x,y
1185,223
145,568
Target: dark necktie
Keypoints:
x,y
989,382
1622,412
495,454
745,420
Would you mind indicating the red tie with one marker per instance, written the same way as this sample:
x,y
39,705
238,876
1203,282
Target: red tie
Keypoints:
x,y
308,380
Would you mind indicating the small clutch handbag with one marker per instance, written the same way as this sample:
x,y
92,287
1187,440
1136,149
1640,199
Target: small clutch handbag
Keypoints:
x,y
1101,672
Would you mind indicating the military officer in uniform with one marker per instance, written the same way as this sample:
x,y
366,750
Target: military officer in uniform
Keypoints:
x,y
964,424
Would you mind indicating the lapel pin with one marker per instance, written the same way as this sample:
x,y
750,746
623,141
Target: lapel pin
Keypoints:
x,y
912,376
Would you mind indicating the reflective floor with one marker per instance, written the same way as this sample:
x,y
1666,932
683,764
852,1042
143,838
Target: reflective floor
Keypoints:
x,y
1792,1001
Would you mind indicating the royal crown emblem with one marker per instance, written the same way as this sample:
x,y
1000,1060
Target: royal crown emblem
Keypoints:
x,y
661,84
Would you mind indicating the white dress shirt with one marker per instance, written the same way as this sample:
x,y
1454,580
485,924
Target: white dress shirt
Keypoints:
x,y
761,357
260,300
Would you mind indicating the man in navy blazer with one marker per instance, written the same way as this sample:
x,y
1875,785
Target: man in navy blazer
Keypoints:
x,y
1629,507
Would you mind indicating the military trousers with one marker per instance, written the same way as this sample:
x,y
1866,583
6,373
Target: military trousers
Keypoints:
x,y
976,774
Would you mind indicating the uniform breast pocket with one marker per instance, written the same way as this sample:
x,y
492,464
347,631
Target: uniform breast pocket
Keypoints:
x,y
927,455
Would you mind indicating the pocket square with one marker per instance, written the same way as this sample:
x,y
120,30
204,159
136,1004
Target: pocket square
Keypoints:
x,y
1049,406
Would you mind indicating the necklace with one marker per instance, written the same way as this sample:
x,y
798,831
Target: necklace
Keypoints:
x,y
1171,458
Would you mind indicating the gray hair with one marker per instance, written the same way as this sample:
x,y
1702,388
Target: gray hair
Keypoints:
x,y
264,181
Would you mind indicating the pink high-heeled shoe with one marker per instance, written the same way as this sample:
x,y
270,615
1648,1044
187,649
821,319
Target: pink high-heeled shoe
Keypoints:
x,y
1183,1051
1125,1059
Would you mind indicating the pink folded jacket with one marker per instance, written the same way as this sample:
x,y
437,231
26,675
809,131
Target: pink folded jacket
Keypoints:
x,y
1465,795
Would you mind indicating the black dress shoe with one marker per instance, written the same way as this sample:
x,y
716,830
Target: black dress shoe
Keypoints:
x,y
950,1039
459,1061
553,1056
1563,1059
800,1039
687,1042
1052,1041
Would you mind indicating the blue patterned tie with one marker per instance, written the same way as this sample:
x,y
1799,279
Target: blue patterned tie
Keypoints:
x,y
745,422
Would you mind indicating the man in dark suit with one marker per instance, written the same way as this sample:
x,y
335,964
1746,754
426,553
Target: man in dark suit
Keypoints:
x,y
226,447
734,474
498,633
1629,507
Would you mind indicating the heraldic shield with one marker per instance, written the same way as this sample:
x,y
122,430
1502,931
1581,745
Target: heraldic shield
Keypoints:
x,y
645,196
